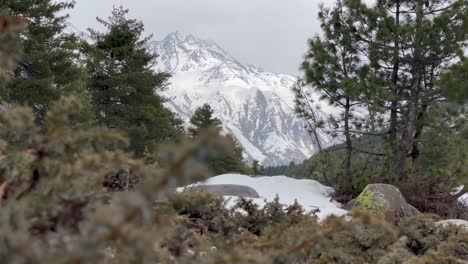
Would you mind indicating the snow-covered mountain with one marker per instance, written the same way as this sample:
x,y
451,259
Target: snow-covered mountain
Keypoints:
x,y
257,107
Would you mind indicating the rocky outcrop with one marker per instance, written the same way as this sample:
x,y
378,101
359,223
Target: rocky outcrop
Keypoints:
x,y
350,205
383,200
227,190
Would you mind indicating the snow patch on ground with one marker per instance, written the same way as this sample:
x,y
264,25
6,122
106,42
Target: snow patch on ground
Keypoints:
x,y
464,199
308,193
457,222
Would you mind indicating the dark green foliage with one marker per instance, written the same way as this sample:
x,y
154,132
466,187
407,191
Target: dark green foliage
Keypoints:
x,y
248,215
293,170
332,67
48,68
226,160
123,84
202,120
395,69
257,169
455,82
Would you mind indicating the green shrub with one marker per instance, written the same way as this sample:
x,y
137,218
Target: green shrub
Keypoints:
x,y
57,209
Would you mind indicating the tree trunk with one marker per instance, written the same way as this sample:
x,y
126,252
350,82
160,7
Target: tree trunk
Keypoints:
x,y
413,100
396,67
395,90
415,153
349,148
408,135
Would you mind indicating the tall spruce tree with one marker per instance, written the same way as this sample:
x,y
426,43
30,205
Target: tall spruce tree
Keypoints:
x,y
123,85
48,68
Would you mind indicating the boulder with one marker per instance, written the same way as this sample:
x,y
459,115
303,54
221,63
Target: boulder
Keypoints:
x,y
414,210
457,222
384,200
350,205
227,190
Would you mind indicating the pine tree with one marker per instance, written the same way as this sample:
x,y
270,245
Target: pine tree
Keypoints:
x,y
390,58
202,120
412,44
123,85
332,68
454,83
48,67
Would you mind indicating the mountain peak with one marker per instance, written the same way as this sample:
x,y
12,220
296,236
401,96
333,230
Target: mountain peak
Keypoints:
x,y
175,37
191,38
187,53
255,106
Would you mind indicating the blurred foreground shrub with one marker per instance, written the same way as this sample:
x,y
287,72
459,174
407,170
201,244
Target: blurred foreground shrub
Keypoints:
x,y
58,207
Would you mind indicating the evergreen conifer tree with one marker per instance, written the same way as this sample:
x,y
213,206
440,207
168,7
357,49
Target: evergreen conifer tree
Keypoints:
x,y
123,84
332,67
410,44
228,159
257,168
225,160
202,120
454,83
390,57
48,67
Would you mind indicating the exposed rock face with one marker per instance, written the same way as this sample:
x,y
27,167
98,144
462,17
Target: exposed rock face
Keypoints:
x,y
384,200
227,190
457,222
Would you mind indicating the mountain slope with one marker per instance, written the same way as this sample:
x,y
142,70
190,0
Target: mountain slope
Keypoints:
x,y
257,107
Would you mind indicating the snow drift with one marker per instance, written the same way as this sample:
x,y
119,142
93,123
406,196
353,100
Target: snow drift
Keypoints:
x,y
308,193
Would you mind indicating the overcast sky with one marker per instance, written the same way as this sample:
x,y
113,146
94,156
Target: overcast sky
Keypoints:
x,y
271,34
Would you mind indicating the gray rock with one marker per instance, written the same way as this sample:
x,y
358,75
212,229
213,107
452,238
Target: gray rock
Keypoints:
x,y
384,200
227,190
414,210
350,205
